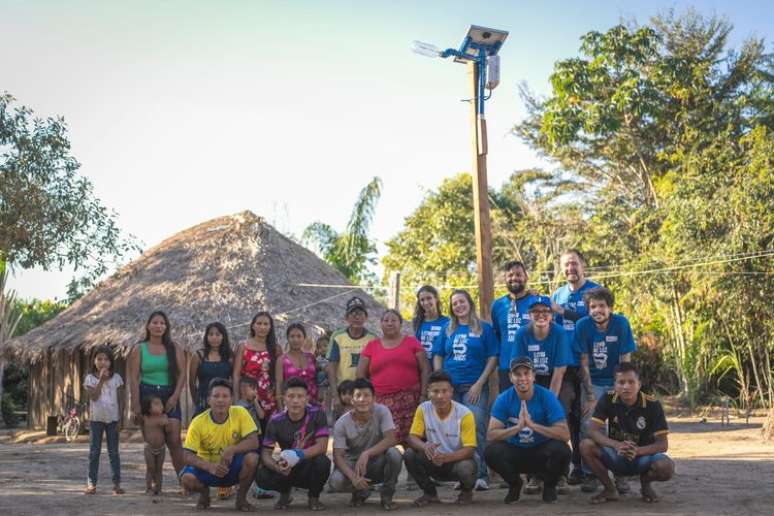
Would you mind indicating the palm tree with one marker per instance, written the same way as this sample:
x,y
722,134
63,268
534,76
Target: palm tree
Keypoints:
x,y
351,252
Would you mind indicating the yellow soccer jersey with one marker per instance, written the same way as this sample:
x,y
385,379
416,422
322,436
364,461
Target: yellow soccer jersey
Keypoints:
x,y
345,352
457,430
208,439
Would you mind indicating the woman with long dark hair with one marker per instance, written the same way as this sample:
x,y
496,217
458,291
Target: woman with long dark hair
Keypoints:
x,y
429,322
213,361
296,362
257,358
156,367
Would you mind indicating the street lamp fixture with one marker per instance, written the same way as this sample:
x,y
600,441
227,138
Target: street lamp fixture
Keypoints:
x,y
479,50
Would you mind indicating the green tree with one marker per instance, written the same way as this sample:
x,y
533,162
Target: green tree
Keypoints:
x,y
49,215
351,251
652,123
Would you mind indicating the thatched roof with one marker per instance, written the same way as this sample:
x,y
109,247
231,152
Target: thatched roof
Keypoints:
x,y
224,270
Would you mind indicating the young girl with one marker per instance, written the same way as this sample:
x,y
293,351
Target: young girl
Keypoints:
x,y
214,361
102,385
154,425
297,362
257,358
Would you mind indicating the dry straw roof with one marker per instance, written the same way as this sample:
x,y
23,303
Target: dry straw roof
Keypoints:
x,y
224,270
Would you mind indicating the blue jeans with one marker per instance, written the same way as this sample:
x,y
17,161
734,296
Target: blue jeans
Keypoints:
x,y
95,447
481,415
629,468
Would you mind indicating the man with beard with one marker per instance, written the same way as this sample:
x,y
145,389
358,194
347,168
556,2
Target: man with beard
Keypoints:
x,y
569,307
509,313
603,340
527,433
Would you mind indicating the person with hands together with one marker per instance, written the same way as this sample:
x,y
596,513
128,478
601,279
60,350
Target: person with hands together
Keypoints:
x,y
364,449
301,432
637,443
220,448
442,443
527,433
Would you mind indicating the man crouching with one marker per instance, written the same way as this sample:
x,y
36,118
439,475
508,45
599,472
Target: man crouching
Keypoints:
x,y
638,437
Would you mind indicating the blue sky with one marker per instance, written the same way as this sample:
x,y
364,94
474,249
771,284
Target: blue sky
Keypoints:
x,y
181,111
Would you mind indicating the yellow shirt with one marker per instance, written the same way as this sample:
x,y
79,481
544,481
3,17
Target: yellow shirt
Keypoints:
x,y
345,351
454,432
208,439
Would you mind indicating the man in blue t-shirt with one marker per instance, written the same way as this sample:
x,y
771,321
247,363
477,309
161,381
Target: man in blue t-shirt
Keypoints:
x,y
569,307
603,340
509,313
527,433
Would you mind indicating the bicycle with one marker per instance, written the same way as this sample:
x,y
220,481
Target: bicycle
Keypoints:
x,y
70,425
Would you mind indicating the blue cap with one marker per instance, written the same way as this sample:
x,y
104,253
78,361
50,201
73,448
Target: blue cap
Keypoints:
x,y
540,300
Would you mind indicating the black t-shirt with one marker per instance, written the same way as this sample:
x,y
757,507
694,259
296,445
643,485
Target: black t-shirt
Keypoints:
x,y
296,434
640,423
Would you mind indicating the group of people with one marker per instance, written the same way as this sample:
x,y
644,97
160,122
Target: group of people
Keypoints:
x,y
564,373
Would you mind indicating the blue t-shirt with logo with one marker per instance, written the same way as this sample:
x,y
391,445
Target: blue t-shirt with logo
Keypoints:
x,y
544,409
508,315
465,354
547,354
570,300
604,348
429,332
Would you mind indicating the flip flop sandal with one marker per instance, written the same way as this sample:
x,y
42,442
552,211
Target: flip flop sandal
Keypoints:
x,y
603,498
90,490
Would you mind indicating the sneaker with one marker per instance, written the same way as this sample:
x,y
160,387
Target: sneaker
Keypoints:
x,y
534,486
589,484
622,485
482,485
561,486
261,494
514,491
549,494
575,478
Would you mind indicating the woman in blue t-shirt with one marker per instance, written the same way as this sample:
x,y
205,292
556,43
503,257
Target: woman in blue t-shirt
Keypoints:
x,y
468,352
429,323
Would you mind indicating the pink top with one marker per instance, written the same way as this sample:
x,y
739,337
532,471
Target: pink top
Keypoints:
x,y
396,369
308,374
257,364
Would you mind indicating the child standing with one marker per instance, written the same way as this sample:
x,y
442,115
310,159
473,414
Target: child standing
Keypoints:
x,y
102,386
154,423
248,398
321,363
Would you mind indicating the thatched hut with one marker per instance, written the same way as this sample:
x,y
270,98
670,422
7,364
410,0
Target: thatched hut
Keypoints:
x,y
224,270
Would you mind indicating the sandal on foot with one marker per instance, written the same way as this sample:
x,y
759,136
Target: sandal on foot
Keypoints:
x,y
244,506
203,504
117,490
465,498
426,500
388,504
316,505
649,495
90,489
356,500
603,497
284,501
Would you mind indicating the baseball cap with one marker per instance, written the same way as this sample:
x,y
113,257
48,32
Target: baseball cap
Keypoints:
x,y
355,303
521,362
540,300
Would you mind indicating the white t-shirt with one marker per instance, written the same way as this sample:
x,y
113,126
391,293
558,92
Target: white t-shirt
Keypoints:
x,y
105,409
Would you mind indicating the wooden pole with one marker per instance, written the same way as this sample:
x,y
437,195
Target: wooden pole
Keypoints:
x,y
481,201
394,299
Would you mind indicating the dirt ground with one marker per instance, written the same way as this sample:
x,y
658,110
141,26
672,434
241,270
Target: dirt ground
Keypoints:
x,y
720,470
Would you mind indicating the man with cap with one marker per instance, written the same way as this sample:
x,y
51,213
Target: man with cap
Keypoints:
x,y
509,313
346,345
527,433
546,344
568,304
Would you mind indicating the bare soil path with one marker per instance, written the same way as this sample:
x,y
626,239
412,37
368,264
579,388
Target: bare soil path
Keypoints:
x,y
720,470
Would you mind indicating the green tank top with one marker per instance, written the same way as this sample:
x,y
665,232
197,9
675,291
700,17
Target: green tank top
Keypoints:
x,y
154,369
